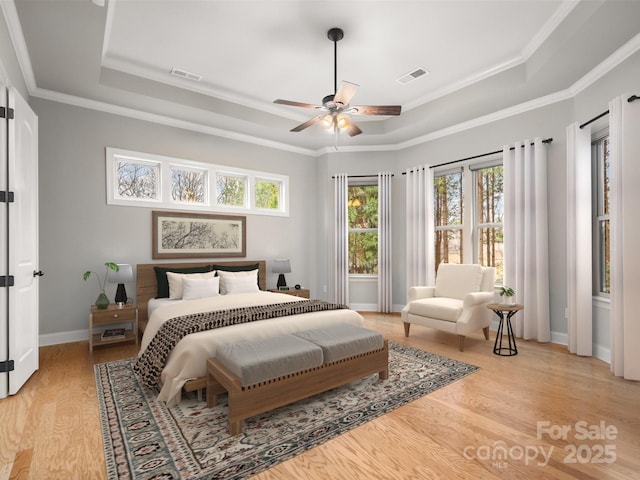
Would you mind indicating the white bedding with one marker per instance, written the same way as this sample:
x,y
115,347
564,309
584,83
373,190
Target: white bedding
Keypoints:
x,y
188,359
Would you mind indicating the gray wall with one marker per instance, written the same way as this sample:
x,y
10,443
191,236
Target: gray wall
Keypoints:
x,y
79,231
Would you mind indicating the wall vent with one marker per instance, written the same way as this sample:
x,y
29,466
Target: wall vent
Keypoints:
x,y
184,74
412,75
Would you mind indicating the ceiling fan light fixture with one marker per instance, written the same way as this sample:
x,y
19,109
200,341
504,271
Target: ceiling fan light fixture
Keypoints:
x,y
342,121
327,121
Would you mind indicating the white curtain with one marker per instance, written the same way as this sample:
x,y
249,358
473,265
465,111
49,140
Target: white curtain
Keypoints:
x,y
579,240
420,227
624,125
385,287
526,236
341,279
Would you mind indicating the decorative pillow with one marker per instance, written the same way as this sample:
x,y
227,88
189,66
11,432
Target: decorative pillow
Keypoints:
x,y
163,283
238,282
175,281
199,287
236,268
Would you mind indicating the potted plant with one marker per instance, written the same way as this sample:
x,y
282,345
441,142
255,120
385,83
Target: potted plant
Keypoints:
x,y
102,301
507,294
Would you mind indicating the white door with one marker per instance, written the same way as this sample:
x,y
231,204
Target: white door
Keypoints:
x,y
23,241
4,342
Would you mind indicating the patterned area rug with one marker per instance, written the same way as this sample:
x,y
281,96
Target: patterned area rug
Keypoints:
x,y
143,439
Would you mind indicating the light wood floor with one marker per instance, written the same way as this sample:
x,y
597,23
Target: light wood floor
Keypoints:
x,y
51,430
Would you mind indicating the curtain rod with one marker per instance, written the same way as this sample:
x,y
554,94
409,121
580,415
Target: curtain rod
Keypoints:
x,y
548,140
632,98
375,175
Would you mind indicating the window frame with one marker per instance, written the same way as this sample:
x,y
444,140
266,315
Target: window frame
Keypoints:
x,y
362,183
164,198
463,221
470,227
599,216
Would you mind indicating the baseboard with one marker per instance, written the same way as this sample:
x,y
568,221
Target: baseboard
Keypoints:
x,y
63,337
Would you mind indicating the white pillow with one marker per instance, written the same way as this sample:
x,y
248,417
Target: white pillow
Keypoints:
x,y
193,288
238,282
175,282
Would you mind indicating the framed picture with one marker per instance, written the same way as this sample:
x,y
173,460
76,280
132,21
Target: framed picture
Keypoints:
x,y
197,235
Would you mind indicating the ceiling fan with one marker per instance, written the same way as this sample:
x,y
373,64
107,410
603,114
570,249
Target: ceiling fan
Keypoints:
x,y
335,108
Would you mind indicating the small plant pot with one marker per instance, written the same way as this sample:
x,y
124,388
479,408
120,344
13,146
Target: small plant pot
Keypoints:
x,y
102,302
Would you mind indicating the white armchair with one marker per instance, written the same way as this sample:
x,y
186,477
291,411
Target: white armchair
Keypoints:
x,y
457,302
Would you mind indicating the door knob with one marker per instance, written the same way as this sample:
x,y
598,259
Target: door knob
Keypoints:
x,y
39,273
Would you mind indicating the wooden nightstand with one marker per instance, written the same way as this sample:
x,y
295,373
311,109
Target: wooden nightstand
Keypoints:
x,y
113,315
300,292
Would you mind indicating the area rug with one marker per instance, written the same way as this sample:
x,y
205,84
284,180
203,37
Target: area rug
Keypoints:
x,y
143,439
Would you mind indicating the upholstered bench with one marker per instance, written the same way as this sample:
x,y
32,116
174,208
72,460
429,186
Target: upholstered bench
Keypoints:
x,y
268,373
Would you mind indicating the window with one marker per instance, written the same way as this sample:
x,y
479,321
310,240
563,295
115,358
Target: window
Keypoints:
x,y
143,179
602,234
448,192
469,228
230,190
137,179
188,185
268,194
362,206
489,217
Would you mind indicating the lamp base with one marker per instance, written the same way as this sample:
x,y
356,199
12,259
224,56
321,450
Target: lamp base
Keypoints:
x,y
121,294
281,281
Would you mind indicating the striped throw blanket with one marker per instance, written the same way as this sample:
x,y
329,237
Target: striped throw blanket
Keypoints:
x,y
150,364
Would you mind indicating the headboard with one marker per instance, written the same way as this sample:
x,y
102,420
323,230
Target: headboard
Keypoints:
x,y
147,286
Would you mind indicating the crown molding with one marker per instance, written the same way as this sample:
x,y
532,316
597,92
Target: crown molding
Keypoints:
x,y
608,64
164,120
19,44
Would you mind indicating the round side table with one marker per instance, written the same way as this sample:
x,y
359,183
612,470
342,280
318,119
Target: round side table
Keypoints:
x,y
505,312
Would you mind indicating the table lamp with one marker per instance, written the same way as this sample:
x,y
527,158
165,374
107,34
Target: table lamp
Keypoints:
x,y
281,266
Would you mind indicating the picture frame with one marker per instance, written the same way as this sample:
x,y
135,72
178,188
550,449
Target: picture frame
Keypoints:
x,y
197,235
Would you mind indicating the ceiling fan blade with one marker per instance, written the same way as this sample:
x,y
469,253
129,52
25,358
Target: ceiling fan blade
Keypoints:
x,y
306,124
353,130
376,110
345,92
295,104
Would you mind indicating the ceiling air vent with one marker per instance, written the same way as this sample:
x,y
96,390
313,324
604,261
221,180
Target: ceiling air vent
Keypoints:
x,y
411,76
184,74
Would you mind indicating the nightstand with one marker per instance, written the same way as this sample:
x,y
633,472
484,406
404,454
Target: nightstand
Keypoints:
x,y
113,315
300,292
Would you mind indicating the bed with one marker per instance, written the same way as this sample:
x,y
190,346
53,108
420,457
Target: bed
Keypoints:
x,y
186,366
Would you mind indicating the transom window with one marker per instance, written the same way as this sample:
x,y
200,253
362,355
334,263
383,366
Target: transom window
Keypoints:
x,y
143,180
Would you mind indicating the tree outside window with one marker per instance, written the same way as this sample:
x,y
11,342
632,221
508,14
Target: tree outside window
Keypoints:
x,y
230,190
268,194
363,229
137,180
188,185
448,204
489,218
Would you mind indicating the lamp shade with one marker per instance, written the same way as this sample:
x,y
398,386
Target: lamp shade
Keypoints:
x,y
123,275
281,265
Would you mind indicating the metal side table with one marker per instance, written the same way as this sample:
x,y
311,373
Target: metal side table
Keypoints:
x,y
505,312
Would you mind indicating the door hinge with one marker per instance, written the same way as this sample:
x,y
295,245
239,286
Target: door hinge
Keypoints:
x,y
7,281
7,366
6,197
3,112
